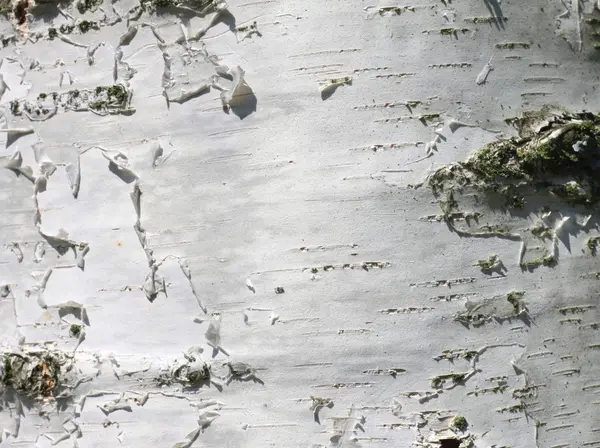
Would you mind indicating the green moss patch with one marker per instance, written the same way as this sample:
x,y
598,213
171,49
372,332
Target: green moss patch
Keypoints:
x,y
559,154
455,378
460,423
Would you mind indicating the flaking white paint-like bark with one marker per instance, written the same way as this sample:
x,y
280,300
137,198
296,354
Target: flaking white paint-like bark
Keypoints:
x,y
215,230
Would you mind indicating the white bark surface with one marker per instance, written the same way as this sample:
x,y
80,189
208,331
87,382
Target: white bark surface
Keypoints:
x,y
245,208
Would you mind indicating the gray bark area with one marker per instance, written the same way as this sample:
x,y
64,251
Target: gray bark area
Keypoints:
x,y
212,233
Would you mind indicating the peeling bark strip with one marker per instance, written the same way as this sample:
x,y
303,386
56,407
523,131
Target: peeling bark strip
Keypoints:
x,y
298,224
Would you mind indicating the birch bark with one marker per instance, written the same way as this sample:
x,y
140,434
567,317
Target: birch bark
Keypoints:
x,y
217,230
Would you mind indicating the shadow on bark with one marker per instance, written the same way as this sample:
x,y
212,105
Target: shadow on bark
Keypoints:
x,y
495,10
244,103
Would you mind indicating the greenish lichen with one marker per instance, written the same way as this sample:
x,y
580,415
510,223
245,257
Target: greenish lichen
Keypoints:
x,y
456,378
575,309
495,390
512,45
75,330
515,298
452,355
98,105
103,99
340,81
318,403
542,231
453,31
429,117
164,3
495,229
88,5
592,244
460,423
35,375
86,25
117,92
493,309
469,318
524,392
563,146
513,201
448,205
190,373
6,6
15,107
395,10
493,262
489,20
191,376
546,259
252,27
572,193
513,409
6,41
66,29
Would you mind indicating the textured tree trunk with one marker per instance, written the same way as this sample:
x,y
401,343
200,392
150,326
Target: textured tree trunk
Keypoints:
x,y
219,228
